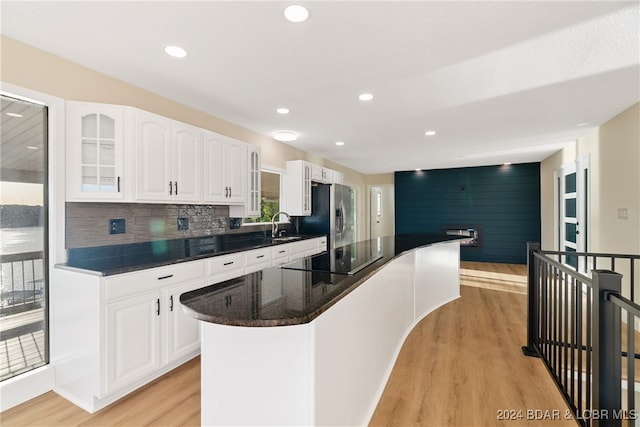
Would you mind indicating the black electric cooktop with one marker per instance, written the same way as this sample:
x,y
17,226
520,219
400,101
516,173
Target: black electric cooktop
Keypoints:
x,y
346,260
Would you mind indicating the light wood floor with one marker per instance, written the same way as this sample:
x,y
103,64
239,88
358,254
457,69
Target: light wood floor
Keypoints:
x,y
461,366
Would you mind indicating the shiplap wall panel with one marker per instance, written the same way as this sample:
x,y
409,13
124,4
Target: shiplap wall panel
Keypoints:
x,y
504,201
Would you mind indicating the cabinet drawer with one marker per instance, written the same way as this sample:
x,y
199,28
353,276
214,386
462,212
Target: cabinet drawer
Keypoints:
x,y
257,256
124,285
225,264
280,251
303,246
322,244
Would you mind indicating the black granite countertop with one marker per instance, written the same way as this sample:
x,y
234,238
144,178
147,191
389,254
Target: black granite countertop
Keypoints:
x,y
118,259
279,296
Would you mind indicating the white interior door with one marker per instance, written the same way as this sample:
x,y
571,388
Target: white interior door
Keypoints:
x,y
382,214
571,201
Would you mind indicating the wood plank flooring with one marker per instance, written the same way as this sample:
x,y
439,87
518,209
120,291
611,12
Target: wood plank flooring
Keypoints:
x,y
461,366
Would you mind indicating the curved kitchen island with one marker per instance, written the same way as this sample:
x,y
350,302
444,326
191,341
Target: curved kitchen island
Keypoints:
x,y
314,342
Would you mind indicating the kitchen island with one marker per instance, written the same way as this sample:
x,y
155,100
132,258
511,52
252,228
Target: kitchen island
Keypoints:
x,y
314,342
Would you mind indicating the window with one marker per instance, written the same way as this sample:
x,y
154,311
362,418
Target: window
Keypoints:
x,y
23,231
270,197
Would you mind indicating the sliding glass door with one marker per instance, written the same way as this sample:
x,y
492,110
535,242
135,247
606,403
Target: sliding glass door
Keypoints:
x,y
23,237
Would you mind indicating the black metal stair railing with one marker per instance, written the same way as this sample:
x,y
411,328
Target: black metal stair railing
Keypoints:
x,y
574,325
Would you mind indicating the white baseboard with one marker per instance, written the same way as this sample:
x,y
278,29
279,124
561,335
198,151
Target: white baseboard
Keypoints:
x,y
21,388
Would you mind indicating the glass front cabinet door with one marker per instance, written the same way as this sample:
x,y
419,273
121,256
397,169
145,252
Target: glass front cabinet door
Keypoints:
x,y
95,146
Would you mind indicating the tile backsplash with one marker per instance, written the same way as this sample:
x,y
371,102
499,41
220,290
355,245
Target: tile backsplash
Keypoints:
x,y
88,223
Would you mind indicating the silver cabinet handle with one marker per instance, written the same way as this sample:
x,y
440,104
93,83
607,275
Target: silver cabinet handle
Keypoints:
x,y
170,188
176,184
171,303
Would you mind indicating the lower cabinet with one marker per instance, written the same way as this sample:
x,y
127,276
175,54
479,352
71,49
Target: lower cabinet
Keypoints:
x,y
132,339
115,334
182,331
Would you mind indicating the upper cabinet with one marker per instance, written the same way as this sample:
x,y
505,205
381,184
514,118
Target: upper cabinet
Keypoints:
x,y
321,174
98,136
253,205
225,170
168,160
298,188
118,153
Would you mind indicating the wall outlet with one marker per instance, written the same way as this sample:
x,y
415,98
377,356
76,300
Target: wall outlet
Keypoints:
x,y
117,226
183,224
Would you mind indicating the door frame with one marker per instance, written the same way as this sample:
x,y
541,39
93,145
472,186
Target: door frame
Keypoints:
x,y
33,383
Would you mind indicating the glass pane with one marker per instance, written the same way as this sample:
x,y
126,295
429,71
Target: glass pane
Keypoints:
x,y
90,126
107,179
571,260
107,127
570,208
89,152
570,231
107,153
23,285
89,178
570,183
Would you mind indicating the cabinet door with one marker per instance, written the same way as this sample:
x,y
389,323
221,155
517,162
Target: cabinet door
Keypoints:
x,y
182,331
298,188
306,189
132,339
236,171
213,169
254,198
153,157
187,163
95,144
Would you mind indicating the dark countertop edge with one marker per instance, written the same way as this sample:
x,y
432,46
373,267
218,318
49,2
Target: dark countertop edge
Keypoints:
x,y
140,267
367,273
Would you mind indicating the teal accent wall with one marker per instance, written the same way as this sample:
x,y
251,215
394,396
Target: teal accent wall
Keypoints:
x,y
503,202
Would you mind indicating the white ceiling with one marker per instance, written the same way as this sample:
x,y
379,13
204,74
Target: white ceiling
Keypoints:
x,y
499,81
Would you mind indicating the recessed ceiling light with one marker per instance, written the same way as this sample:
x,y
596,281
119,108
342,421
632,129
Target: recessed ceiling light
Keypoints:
x,y
365,97
285,136
296,13
14,115
282,110
582,124
430,132
507,163
32,148
339,143
175,51
418,169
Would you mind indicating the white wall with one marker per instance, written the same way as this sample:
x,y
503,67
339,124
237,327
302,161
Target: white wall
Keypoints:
x,y
614,152
614,174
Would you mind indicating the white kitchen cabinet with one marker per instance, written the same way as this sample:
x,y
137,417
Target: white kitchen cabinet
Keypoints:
x,y
225,170
253,203
117,333
257,259
182,330
298,188
168,160
321,174
280,255
132,339
97,143
224,267
337,177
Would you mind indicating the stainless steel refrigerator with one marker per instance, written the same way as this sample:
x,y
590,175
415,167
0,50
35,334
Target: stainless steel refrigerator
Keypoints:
x,y
331,214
